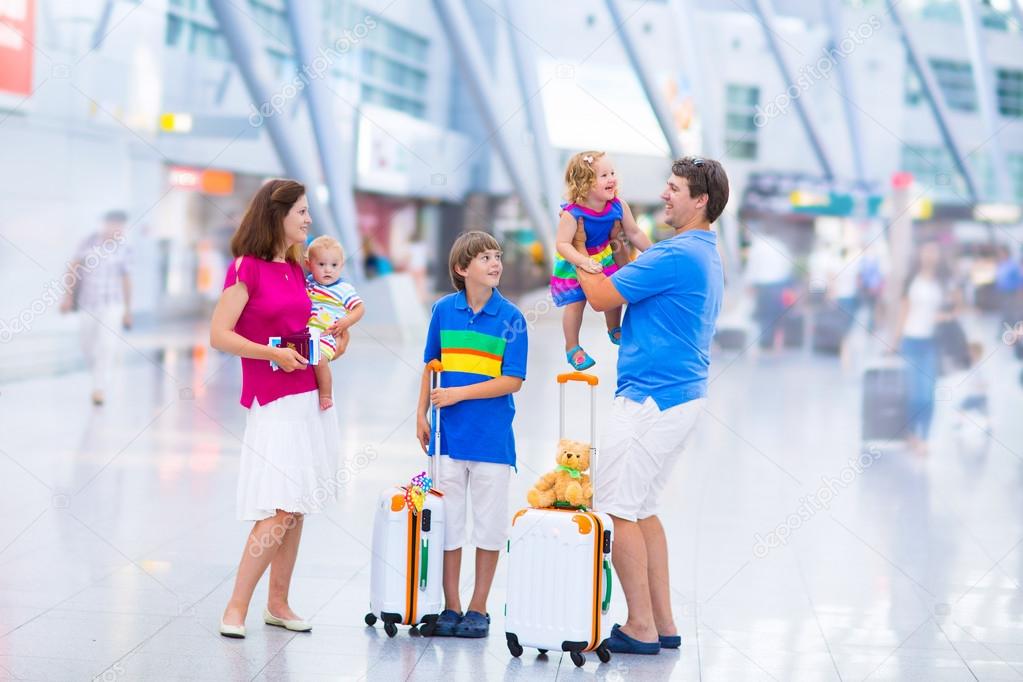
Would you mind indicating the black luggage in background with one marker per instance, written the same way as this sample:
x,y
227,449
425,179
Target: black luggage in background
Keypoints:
x,y
884,413
792,330
829,328
730,338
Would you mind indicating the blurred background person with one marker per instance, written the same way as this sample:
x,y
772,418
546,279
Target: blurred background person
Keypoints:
x,y
101,292
872,274
928,299
1009,286
843,296
769,273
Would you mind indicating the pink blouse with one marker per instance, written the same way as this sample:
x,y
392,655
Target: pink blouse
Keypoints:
x,y
278,305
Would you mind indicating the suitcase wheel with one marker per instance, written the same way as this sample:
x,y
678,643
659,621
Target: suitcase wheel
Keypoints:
x,y
391,629
578,659
370,619
543,652
603,653
513,644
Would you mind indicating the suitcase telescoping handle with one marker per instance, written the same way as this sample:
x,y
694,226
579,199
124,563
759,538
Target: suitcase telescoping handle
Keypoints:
x,y
434,367
592,380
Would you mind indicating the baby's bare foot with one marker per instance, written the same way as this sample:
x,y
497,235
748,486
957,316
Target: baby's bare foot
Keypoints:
x,y
326,402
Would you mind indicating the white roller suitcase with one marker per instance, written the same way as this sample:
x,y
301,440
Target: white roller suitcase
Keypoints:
x,y
406,572
559,570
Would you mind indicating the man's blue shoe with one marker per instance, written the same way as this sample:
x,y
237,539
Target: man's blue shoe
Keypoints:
x,y
474,625
670,641
447,621
621,643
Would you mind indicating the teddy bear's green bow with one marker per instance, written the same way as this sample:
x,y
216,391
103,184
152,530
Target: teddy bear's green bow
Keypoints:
x,y
574,473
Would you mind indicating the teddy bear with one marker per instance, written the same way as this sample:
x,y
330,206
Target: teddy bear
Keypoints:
x,y
567,484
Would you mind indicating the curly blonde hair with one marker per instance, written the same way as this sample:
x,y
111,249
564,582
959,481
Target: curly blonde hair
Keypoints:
x,y
580,176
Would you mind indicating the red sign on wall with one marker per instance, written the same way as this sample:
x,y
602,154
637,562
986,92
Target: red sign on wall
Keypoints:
x,y
17,33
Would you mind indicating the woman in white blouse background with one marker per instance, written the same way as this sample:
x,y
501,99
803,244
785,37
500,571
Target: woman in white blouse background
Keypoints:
x,y
928,299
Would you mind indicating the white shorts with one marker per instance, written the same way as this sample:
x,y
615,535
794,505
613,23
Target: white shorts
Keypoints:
x,y
639,449
487,486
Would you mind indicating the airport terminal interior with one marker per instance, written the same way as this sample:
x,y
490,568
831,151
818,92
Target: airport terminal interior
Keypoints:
x,y
850,503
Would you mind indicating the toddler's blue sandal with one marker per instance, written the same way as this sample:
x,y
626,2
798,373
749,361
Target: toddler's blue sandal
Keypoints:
x,y
584,363
670,641
611,334
447,621
621,643
473,625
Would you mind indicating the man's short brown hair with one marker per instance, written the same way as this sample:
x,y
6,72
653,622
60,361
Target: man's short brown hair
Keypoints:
x,y
465,248
704,176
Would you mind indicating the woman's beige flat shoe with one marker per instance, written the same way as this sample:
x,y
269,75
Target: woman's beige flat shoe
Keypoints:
x,y
234,631
293,625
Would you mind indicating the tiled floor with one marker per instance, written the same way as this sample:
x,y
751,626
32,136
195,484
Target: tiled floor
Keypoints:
x,y
118,543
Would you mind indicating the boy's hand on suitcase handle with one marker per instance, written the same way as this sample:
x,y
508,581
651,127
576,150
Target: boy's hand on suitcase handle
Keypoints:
x,y
445,397
423,432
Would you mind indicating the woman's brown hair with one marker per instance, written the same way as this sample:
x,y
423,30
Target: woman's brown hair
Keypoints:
x,y
261,232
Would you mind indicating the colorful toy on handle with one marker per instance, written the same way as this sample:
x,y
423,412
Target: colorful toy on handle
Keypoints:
x,y
416,491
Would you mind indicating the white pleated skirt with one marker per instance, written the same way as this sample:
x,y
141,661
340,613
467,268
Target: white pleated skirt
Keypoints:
x,y
289,458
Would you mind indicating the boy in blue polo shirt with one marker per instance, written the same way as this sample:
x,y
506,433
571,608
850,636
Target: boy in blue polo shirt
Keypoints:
x,y
480,338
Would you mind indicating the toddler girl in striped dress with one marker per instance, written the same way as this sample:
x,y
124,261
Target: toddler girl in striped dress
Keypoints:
x,y
592,193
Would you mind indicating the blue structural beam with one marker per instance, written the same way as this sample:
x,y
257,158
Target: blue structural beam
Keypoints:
x,y
987,97
247,52
646,80
764,13
833,13
930,89
469,56
525,72
335,156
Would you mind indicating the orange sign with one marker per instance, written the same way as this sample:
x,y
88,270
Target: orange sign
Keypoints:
x,y
217,182
17,33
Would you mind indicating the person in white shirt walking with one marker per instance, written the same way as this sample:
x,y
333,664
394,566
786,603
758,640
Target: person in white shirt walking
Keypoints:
x,y
101,291
927,300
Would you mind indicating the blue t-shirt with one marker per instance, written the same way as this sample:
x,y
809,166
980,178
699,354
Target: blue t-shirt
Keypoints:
x,y
475,347
674,293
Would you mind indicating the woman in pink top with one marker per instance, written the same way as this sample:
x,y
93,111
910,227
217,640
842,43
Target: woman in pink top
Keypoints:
x,y
289,451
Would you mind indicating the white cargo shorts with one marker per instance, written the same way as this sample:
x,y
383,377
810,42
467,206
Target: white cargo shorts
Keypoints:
x,y
639,449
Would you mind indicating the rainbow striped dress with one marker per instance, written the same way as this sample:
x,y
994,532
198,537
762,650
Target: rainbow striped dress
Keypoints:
x,y
565,287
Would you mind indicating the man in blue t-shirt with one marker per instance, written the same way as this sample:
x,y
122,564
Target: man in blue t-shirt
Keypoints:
x,y
673,291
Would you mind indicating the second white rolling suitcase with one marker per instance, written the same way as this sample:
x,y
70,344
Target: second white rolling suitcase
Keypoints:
x,y
407,566
559,570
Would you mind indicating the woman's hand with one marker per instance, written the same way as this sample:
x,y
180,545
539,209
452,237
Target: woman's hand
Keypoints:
x,y
423,432
445,397
289,359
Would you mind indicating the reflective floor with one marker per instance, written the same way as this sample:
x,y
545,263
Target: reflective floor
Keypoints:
x,y
793,555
